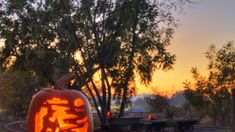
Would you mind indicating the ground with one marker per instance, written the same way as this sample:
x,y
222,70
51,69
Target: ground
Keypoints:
x,y
8,122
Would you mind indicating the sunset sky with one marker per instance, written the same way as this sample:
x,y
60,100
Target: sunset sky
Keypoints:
x,y
210,22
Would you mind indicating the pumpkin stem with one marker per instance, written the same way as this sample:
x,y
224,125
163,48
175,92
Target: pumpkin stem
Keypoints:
x,y
60,82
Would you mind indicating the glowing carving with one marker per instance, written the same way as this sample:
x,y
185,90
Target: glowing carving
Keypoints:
x,y
67,112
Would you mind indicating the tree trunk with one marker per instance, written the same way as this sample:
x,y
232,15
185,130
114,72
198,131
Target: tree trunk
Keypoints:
x,y
123,103
104,93
109,93
214,120
93,97
130,65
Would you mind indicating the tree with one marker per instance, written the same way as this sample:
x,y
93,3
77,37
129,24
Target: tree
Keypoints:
x,y
211,95
140,103
16,89
158,103
111,41
161,104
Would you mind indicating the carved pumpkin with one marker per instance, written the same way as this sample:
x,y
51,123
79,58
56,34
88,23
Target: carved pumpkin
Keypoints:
x,y
59,110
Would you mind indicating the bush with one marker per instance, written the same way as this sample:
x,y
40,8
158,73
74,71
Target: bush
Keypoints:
x,y
17,88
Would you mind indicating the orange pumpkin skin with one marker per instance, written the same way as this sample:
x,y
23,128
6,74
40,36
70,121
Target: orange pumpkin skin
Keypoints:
x,y
59,110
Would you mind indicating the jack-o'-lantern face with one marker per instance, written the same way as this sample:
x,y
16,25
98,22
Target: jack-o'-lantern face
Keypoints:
x,y
63,111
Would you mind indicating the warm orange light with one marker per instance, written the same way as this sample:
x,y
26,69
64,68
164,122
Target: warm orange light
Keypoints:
x,y
151,117
109,115
59,115
59,110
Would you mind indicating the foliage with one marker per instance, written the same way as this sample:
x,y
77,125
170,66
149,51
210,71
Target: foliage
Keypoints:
x,y
170,112
17,89
140,103
211,95
161,104
158,103
114,39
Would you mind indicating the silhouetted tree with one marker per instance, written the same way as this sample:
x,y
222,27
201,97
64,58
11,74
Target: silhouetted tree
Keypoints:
x,y
16,88
210,95
113,39
158,103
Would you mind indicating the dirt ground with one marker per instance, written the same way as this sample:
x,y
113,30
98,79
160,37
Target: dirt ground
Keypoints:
x,y
197,129
17,124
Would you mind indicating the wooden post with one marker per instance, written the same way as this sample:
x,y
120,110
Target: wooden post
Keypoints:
x,y
233,110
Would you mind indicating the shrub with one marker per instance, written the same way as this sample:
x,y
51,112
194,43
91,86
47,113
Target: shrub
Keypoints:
x,y
17,88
